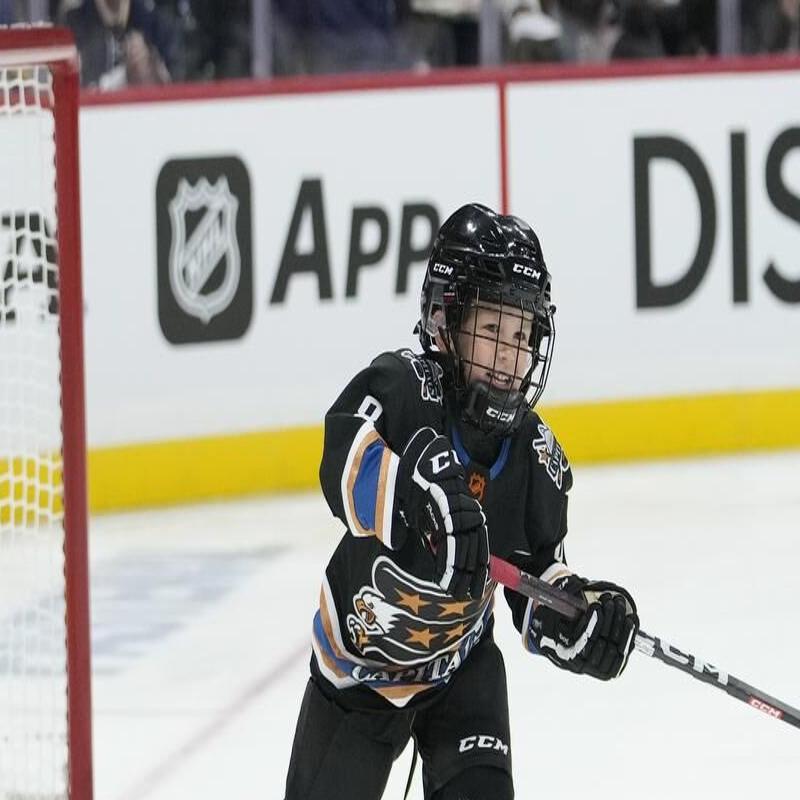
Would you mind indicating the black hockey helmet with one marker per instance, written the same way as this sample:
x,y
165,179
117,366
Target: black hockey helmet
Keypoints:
x,y
491,266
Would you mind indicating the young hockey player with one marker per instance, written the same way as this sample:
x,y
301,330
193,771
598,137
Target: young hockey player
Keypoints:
x,y
433,461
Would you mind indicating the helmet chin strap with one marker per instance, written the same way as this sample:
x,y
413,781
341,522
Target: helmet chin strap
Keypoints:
x,y
493,410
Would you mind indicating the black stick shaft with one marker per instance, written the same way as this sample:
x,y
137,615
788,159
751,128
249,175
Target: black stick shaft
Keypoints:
x,y
571,606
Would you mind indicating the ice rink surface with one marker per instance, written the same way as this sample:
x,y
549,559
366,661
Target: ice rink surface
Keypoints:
x,y
202,620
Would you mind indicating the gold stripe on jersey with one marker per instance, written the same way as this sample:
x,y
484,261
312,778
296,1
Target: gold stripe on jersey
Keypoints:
x,y
327,627
384,502
331,669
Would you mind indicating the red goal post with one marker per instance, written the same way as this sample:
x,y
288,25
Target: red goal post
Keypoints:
x,y
43,507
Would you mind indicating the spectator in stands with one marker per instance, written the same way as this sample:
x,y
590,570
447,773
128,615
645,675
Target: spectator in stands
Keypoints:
x,y
290,26
16,11
690,27
770,26
219,39
640,36
432,35
124,42
533,35
588,32
452,29
356,36
673,20
121,42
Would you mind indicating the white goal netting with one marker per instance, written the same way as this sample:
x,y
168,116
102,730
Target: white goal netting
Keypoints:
x,y
33,677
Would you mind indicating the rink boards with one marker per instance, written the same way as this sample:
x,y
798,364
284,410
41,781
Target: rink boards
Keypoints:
x,y
249,248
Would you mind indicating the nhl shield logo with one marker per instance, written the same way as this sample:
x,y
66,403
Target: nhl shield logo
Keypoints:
x,y
211,245
204,249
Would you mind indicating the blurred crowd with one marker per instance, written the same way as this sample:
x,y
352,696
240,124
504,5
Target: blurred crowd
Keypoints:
x,y
134,42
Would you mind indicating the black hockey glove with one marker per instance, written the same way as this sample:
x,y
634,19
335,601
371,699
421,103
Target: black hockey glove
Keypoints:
x,y
598,642
436,503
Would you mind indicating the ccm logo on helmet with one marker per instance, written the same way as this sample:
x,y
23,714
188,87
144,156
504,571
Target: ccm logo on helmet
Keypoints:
x,y
500,416
442,269
528,272
482,742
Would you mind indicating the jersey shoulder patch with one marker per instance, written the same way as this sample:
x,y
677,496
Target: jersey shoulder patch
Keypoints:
x,y
425,373
548,453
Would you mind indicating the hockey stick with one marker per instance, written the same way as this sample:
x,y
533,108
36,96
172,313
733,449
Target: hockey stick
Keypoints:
x,y
570,606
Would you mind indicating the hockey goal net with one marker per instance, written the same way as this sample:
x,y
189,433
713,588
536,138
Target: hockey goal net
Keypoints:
x,y
45,732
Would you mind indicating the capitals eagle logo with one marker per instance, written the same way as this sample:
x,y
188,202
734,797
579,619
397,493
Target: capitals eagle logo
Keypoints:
x,y
408,621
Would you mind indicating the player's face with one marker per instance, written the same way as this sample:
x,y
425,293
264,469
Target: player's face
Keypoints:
x,y
494,345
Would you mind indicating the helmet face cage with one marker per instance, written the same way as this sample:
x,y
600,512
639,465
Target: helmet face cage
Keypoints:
x,y
486,315
497,343
498,339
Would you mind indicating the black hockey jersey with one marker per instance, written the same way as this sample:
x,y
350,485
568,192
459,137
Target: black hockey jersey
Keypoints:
x,y
383,622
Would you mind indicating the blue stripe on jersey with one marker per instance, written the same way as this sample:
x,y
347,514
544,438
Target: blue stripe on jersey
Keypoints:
x,y
465,458
498,465
365,488
319,631
461,452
